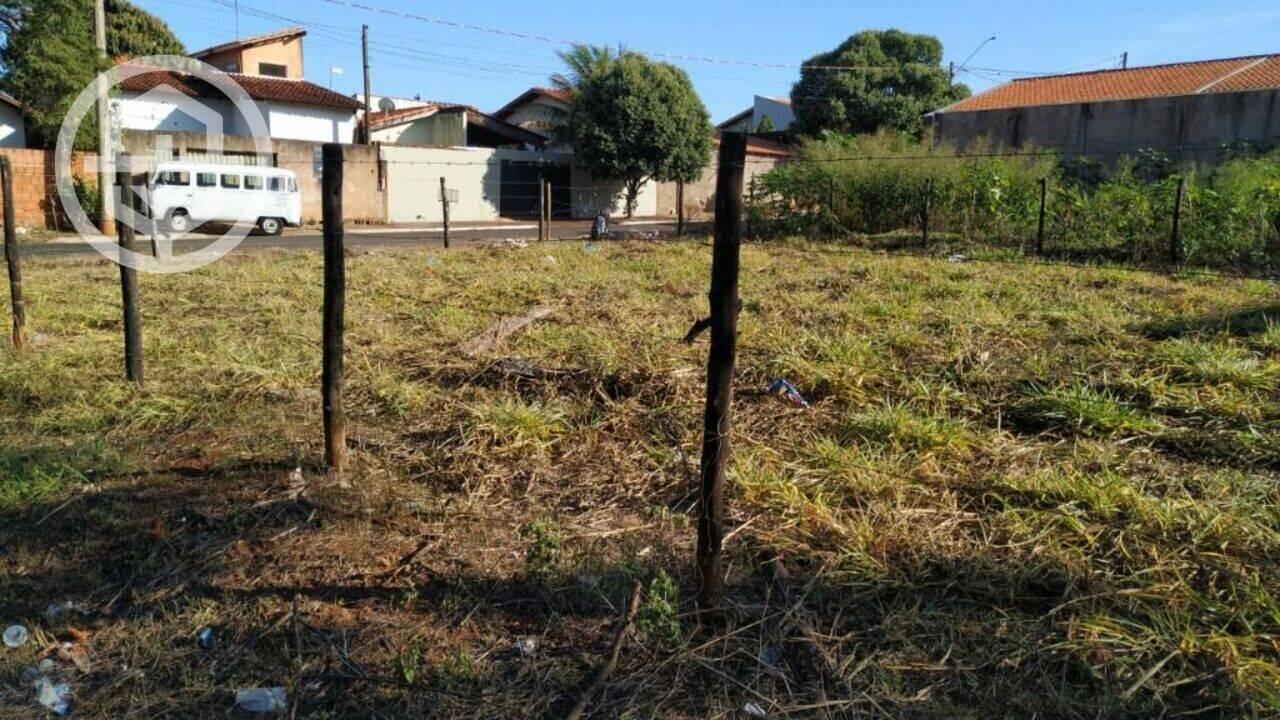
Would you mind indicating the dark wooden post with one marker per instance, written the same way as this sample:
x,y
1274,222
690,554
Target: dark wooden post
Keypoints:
x,y
335,286
129,278
928,199
1044,202
549,205
12,258
444,208
1175,240
831,200
542,208
679,208
724,338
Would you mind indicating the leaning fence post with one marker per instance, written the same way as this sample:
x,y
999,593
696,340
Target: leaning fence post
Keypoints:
x,y
1175,240
723,322
12,258
1044,201
924,215
128,276
444,209
335,281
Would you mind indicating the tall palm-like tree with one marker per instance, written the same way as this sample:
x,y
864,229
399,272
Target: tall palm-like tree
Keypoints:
x,y
580,61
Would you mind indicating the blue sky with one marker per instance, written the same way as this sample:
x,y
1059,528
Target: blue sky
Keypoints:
x,y
412,57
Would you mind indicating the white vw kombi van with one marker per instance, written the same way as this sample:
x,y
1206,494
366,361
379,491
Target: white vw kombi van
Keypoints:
x,y
184,196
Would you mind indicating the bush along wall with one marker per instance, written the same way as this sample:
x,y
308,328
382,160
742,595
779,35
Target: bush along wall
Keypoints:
x,y
876,189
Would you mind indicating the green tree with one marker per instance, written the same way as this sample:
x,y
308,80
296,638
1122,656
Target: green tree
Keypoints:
x,y
766,125
48,56
892,80
634,120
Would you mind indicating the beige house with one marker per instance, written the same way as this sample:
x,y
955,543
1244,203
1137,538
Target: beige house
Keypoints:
x,y
277,54
538,109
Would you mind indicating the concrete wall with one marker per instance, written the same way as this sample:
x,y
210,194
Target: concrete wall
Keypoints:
x,y
592,194
1196,123
700,196
363,200
13,128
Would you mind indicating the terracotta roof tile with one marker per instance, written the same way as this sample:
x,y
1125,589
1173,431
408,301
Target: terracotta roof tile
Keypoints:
x,y
1259,72
285,34
385,118
298,92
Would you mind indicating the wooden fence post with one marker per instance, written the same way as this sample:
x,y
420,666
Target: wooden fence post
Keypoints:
x,y
724,337
549,205
444,208
1175,239
335,282
129,277
679,208
12,258
924,215
1044,201
542,208
831,200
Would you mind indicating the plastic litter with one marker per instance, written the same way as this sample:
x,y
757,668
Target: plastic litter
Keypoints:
x,y
590,247
528,646
56,610
262,700
754,710
600,227
29,674
205,638
782,389
15,636
55,696
957,258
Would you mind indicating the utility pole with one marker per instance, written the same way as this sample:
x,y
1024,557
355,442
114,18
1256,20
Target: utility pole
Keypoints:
x,y
951,71
105,155
1124,60
364,43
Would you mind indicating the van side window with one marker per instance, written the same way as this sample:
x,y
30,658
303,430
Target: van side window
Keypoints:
x,y
206,180
275,184
231,181
293,185
173,177
252,182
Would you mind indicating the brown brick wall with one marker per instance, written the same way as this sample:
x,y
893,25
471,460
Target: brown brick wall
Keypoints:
x,y
35,193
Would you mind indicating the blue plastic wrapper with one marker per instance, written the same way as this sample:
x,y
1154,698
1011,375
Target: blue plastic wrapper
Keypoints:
x,y
785,390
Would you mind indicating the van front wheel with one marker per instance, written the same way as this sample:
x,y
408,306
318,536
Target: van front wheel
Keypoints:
x,y
179,221
271,226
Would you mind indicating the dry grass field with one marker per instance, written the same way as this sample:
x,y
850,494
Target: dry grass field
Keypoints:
x,y
1018,491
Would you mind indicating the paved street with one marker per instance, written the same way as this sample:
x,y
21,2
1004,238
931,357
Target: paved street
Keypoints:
x,y
359,237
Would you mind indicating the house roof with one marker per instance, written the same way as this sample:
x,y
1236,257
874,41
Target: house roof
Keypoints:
x,y
297,92
478,118
1257,72
744,115
254,41
8,99
531,94
389,118
762,148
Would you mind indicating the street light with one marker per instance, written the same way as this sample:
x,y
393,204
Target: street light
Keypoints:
x,y
971,56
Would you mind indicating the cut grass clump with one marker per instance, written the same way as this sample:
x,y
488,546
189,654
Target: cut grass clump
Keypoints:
x,y
1078,410
508,424
904,430
1193,360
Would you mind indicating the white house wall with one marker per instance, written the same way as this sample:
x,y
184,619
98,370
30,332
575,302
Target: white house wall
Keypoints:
x,y
285,121
12,131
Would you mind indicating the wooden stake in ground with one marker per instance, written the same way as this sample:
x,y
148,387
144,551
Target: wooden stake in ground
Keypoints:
x,y
542,209
129,279
547,203
444,208
1175,238
679,208
1044,201
12,259
335,288
724,338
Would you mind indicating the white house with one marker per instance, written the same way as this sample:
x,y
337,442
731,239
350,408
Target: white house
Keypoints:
x,y
13,132
167,101
778,110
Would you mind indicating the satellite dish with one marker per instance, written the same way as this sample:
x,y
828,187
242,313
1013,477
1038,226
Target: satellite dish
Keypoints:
x,y
386,105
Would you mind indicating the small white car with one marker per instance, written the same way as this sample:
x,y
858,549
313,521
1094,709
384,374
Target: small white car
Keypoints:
x,y
184,196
